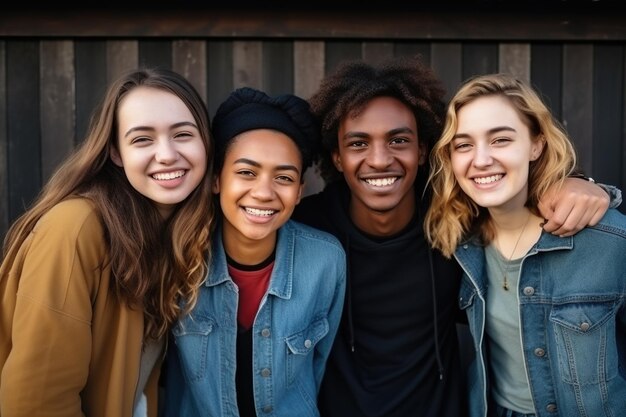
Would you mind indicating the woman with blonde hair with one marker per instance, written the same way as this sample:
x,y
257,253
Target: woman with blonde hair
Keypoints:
x,y
547,314
93,273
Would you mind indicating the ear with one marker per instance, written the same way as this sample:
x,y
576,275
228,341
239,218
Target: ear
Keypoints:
x,y
423,154
336,160
537,147
300,191
215,184
115,157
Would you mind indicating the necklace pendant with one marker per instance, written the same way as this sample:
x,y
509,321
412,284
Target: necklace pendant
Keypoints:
x,y
505,284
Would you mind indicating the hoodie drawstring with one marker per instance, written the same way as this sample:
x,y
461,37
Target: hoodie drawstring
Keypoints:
x,y
436,325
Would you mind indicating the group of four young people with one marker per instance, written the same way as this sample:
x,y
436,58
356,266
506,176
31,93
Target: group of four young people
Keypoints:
x,y
123,245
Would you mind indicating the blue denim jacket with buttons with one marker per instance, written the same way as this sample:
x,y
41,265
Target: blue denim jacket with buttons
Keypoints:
x,y
572,309
292,333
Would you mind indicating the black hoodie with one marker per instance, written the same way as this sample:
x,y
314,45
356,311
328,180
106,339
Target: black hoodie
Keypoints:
x,y
386,360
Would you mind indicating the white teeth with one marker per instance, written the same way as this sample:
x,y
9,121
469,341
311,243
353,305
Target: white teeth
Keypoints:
x,y
168,175
488,180
257,212
381,182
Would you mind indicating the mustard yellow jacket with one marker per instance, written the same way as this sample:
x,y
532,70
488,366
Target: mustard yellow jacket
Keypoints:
x,y
68,347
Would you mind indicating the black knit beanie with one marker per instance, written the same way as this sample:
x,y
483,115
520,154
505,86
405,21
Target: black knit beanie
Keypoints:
x,y
248,109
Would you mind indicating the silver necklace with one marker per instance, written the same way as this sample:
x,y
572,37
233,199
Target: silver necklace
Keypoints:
x,y
503,268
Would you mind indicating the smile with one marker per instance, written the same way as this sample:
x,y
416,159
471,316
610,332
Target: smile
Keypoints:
x,y
258,212
488,180
381,182
164,176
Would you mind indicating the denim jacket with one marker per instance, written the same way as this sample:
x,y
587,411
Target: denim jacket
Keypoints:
x,y
292,333
572,309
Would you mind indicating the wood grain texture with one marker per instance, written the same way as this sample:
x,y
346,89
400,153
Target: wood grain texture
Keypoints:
x,y
57,95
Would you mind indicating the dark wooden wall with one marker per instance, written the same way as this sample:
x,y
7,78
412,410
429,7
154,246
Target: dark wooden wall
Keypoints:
x,y
55,64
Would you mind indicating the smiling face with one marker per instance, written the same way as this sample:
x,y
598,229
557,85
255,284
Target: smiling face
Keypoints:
x,y
378,154
159,147
491,153
259,186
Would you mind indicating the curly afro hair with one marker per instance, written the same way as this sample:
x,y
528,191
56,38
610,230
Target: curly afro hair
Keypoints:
x,y
347,90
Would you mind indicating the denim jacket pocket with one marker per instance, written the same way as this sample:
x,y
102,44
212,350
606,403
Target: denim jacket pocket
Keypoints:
x,y
585,341
191,335
301,344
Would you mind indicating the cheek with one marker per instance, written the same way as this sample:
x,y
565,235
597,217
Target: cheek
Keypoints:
x,y
458,164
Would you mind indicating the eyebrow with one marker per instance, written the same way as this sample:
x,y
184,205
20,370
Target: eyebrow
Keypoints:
x,y
490,131
150,128
357,134
285,167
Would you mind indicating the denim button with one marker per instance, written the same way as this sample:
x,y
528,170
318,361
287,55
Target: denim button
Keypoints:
x,y
540,352
265,372
265,333
267,409
529,290
307,343
551,408
584,326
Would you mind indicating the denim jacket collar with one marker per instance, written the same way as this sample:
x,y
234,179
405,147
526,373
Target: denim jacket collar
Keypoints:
x,y
281,282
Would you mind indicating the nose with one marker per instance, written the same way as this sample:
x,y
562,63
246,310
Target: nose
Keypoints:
x,y
482,156
263,189
379,156
166,152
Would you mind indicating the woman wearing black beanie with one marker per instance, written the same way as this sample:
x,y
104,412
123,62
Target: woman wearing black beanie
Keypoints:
x,y
257,341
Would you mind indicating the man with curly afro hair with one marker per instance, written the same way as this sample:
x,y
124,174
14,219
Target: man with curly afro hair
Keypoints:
x,y
396,353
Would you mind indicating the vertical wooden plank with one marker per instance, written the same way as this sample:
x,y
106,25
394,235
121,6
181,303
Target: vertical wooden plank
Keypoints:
x,y
220,63
121,56
57,103
277,72
4,168
339,51
248,64
91,81
23,121
546,63
189,59
514,58
308,73
608,108
308,62
577,115
155,53
412,48
446,61
376,51
479,58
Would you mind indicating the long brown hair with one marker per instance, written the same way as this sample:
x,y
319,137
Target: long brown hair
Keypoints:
x,y
156,266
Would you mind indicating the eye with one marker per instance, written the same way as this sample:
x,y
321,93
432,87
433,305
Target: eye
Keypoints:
x,y
140,140
357,144
501,140
246,173
183,135
285,178
461,146
399,140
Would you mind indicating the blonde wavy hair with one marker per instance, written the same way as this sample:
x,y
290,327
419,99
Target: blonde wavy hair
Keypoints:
x,y
156,266
452,215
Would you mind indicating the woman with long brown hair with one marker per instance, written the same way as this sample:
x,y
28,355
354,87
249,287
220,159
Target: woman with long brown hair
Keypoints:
x,y
93,274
